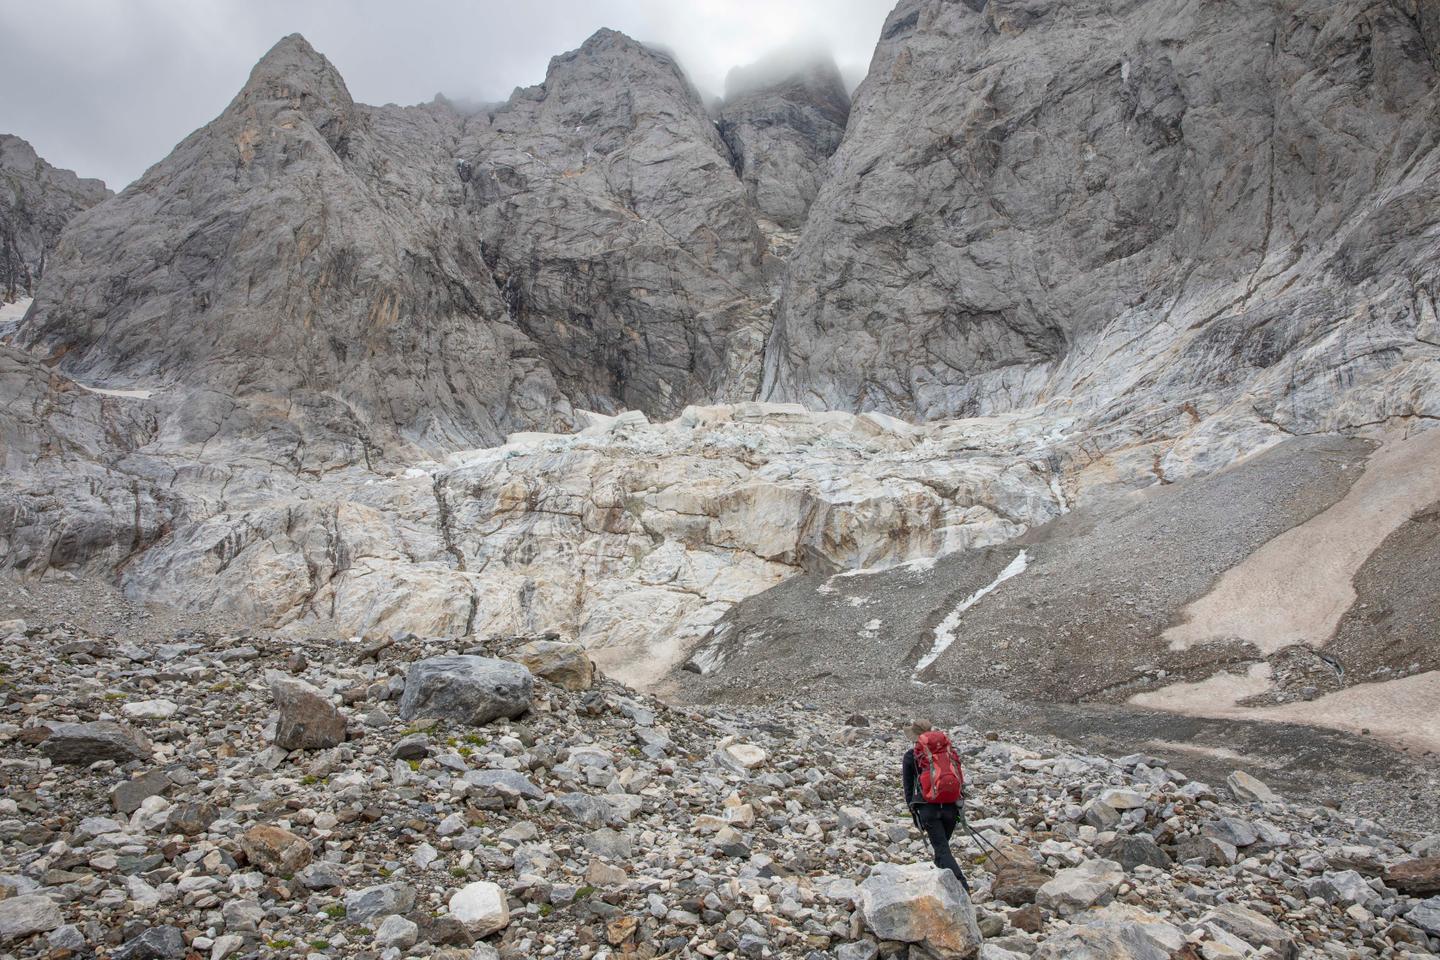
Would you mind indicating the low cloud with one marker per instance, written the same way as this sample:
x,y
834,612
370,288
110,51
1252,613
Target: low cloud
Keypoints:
x,y
107,89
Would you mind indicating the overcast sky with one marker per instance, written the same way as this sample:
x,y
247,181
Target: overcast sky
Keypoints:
x,y
107,88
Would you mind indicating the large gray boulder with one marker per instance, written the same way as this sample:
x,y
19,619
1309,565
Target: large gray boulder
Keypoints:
x,y
82,744
473,690
920,904
36,202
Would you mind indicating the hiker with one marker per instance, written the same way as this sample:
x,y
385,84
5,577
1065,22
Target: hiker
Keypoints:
x,y
934,790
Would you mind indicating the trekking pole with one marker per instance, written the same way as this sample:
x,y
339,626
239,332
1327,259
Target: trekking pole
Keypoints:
x,y
979,840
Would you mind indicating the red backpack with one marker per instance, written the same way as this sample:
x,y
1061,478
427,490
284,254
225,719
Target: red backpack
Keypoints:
x,y
941,779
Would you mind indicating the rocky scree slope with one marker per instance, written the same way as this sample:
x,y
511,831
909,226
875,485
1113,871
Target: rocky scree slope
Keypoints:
x,y
36,201
254,380
243,796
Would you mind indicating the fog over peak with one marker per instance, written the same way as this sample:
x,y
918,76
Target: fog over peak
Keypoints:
x,y
109,89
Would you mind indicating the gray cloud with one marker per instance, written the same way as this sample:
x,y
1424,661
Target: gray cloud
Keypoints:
x,y
107,89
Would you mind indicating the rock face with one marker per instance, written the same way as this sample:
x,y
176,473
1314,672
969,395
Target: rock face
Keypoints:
x,y
782,119
468,690
621,238
36,202
973,251
920,904
302,258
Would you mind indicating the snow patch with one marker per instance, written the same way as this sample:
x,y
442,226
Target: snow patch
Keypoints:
x,y
124,394
945,629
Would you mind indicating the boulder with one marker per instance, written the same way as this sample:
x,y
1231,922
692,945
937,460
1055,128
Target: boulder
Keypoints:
x,y
127,795
1231,830
504,783
1426,916
1214,853
920,904
741,757
1017,881
275,850
1117,932
481,907
1101,815
157,943
23,916
395,931
380,900
1131,850
1416,878
1254,928
191,818
565,664
1342,887
1247,789
150,709
463,689
1078,888
308,720
82,744
1118,799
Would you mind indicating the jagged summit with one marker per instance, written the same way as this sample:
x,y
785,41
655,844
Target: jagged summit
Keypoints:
x,y
36,201
782,118
804,75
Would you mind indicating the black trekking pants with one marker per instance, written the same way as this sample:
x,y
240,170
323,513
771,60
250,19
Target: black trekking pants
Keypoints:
x,y
938,821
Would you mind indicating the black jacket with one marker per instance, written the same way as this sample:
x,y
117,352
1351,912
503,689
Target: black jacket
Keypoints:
x,y
910,776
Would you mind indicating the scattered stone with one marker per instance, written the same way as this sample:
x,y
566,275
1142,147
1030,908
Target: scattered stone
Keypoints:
x,y
1248,789
481,907
275,850
24,916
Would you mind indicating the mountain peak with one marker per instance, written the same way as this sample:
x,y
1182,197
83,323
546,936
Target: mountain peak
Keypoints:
x,y
294,75
291,68
805,74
